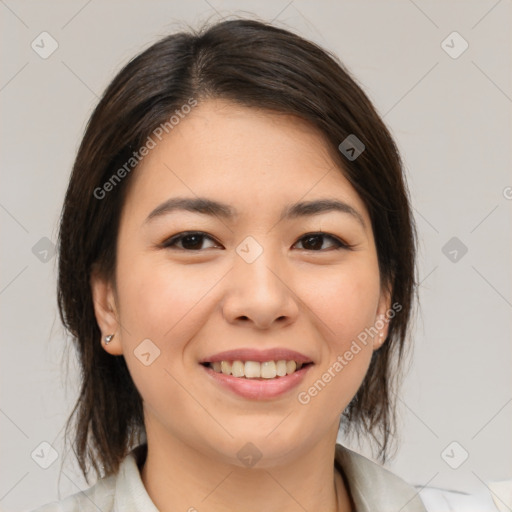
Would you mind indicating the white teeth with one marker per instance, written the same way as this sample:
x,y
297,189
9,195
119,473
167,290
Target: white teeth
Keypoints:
x,y
225,367
268,369
291,366
281,368
237,369
254,369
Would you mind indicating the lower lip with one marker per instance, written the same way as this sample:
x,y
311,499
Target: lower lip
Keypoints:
x,y
256,389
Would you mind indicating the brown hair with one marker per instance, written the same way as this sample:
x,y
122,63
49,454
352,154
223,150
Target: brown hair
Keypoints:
x,y
257,65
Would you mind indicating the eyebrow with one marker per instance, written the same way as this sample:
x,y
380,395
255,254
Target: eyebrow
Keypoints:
x,y
207,206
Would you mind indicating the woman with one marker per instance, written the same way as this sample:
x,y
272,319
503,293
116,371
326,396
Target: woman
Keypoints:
x,y
237,271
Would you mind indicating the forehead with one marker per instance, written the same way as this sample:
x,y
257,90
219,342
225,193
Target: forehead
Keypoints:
x,y
240,155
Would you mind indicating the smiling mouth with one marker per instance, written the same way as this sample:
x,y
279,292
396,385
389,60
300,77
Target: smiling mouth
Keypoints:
x,y
256,370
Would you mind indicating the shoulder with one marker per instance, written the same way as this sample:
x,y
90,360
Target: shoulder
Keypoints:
x,y
483,500
373,487
98,497
120,492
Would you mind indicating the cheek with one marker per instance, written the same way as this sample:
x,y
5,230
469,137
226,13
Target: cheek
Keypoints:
x,y
163,302
345,304
165,306
346,301
154,297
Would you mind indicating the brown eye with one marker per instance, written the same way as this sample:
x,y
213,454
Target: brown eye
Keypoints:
x,y
190,241
315,241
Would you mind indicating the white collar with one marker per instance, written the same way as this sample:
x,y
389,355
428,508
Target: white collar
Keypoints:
x,y
374,488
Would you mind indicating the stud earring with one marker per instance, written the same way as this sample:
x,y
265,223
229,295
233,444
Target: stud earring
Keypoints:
x,y
108,338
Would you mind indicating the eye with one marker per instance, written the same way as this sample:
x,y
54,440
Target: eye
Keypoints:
x,y
194,241
190,241
314,242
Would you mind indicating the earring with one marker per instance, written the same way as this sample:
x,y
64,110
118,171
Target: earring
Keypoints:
x,y
108,338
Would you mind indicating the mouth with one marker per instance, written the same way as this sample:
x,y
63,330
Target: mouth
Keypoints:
x,y
255,370
256,380
257,374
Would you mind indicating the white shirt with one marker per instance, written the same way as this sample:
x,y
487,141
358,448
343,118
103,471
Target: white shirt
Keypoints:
x,y
372,487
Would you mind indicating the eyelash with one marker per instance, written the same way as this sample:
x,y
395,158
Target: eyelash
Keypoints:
x,y
170,243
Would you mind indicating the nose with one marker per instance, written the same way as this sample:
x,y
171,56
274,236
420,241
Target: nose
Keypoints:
x,y
260,294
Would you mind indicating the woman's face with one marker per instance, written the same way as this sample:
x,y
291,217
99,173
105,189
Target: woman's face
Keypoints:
x,y
258,277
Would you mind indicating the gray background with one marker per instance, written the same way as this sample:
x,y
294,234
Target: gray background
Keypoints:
x,y
451,119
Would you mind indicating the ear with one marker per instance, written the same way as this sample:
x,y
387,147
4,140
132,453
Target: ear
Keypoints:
x,y
382,317
105,311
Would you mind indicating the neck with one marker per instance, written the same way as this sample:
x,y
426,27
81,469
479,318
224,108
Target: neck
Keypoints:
x,y
178,477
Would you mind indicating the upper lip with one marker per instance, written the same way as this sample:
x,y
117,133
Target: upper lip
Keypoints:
x,y
250,354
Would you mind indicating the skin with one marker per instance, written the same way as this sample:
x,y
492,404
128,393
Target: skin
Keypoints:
x,y
192,304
